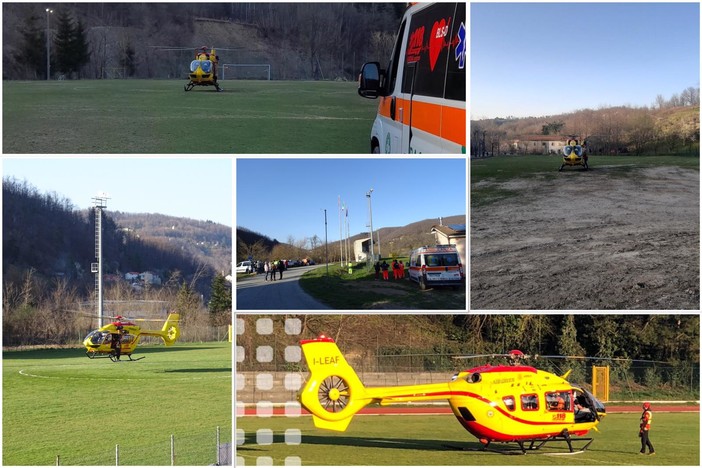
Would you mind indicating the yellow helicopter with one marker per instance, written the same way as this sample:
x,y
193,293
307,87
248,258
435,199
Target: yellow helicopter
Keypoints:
x,y
121,337
203,70
505,403
574,154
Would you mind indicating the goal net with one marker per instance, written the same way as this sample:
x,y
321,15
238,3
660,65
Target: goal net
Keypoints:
x,y
244,71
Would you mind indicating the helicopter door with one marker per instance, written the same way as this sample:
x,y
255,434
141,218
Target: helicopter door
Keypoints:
x,y
588,408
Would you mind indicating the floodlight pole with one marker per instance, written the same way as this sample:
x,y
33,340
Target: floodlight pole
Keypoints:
x,y
48,45
370,211
99,203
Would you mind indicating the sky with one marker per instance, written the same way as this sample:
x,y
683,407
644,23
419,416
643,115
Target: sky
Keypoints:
x,y
196,188
287,197
538,59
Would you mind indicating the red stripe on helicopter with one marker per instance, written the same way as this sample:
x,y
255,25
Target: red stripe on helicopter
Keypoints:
x,y
480,431
486,401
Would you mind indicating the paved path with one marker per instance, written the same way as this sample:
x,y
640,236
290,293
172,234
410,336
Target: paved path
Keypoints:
x,y
256,294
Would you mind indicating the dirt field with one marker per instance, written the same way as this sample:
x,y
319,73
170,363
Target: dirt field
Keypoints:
x,y
603,239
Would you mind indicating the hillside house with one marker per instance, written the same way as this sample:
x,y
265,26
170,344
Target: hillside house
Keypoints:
x,y
539,144
452,234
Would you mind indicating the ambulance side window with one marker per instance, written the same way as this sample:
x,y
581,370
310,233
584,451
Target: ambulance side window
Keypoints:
x,y
394,62
429,42
458,55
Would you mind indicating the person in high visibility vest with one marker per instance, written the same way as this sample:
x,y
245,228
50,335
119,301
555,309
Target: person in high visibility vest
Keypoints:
x,y
644,428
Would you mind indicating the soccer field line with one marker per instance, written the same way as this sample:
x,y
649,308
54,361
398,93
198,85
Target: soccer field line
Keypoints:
x,y
59,377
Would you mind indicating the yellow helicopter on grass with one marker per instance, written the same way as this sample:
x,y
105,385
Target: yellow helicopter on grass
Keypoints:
x,y
504,403
121,337
203,70
574,154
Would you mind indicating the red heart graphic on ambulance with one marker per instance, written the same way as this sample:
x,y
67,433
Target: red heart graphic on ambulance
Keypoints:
x,y
436,41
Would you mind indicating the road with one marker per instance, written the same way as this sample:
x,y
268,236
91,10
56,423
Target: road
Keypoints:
x,y
254,293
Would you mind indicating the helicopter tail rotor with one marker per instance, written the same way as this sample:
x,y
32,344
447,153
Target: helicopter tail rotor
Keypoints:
x,y
170,331
333,392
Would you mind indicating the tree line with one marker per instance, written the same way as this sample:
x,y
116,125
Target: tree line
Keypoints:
x,y
667,127
389,343
119,40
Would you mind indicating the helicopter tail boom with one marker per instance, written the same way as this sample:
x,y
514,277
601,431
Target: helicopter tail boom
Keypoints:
x,y
170,331
334,393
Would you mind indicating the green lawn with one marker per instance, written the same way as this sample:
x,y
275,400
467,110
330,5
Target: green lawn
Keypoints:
x,y
360,290
440,440
58,402
157,116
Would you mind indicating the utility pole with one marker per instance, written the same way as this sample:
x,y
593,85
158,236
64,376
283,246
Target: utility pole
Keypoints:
x,y
370,212
326,252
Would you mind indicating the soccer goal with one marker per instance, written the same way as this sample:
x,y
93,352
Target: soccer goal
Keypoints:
x,y
245,71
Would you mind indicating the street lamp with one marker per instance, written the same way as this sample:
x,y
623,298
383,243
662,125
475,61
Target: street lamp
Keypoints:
x,y
48,44
326,252
370,211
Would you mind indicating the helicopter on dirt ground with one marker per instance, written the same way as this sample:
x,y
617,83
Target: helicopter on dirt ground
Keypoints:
x,y
505,403
574,154
203,70
121,337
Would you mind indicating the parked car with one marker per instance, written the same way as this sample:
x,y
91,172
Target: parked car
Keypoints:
x,y
244,267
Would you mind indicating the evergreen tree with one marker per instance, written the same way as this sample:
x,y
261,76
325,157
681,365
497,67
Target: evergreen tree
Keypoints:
x,y
33,52
221,300
71,45
63,41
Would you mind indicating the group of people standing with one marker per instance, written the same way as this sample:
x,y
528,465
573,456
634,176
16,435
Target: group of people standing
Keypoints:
x,y
398,269
270,268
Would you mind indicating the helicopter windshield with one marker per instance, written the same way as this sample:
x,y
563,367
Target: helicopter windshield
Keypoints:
x,y
96,337
194,64
206,66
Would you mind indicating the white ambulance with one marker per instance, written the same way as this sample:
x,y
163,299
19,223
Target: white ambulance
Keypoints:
x,y
422,92
436,266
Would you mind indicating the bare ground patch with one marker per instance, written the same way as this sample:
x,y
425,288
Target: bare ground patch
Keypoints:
x,y
590,240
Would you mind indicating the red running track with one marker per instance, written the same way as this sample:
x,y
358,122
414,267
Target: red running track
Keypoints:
x,y
438,410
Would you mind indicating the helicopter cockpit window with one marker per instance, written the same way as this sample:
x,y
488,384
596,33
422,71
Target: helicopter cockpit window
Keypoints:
x,y
96,337
474,377
530,402
194,64
509,402
559,401
206,66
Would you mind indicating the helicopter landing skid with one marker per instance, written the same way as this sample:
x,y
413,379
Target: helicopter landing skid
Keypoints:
x,y
562,437
115,358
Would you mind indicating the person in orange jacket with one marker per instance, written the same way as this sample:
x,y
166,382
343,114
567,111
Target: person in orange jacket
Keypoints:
x,y
644,428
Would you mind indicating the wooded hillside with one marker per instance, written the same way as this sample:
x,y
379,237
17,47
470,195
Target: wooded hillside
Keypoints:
x,y
157,40
668,127
46,234
394,241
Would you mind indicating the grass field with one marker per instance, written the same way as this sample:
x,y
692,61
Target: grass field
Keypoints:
x,y
157,116
440,440
545,167
57,402
360,290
